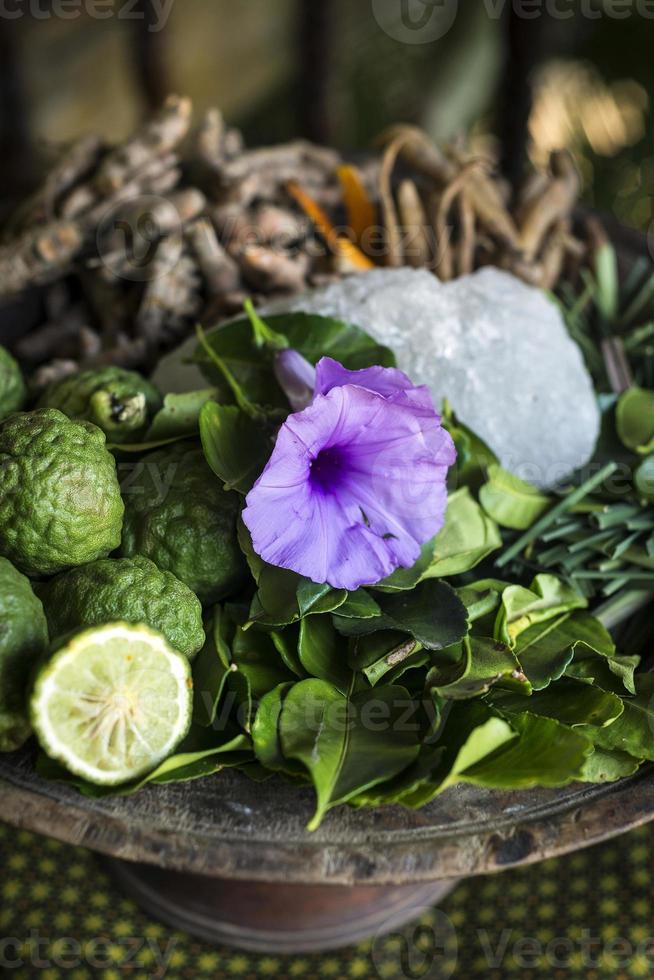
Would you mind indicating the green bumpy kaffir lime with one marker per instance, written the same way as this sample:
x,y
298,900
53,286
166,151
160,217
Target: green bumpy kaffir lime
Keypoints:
x,y
178,514
23,640
12,387
120,402
60,502
133,590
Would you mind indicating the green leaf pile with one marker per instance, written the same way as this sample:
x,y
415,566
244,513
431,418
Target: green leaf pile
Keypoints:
x,y
484,663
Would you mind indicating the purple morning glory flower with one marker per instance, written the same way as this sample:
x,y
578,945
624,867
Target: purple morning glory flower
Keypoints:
x,y
357,480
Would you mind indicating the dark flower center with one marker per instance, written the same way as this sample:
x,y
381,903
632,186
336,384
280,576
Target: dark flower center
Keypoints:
x,y
328,469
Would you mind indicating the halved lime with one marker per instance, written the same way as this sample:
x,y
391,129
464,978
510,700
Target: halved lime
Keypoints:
x,y
112,703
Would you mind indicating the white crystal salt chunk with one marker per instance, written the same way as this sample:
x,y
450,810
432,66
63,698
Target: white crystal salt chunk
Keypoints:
x,y
496,348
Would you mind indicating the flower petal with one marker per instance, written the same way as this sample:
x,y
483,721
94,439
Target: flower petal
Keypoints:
x,y
355,484
296,377
385,381
396,387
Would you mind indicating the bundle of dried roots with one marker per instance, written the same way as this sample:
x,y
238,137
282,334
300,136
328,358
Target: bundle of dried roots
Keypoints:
x,y
130,245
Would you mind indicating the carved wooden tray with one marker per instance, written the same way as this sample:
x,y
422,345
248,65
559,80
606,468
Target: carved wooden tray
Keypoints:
x,y
230,827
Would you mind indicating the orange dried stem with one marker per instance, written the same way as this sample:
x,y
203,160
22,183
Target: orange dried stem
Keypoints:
x,y
359,208
341,247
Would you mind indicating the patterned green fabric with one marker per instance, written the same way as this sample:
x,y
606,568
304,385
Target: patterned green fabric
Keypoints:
x,y
589,916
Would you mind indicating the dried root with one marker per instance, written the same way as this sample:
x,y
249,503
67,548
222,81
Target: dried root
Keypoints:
x,y
50,373
171,295
73,166
159,137
219,269
131,244
417,250
141,239
40,255
270,271
468,213
549,205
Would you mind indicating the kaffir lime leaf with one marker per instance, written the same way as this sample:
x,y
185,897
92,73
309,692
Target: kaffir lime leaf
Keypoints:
x,y
112,703
129,589
121,403
12,386
60,502
178,514
23,639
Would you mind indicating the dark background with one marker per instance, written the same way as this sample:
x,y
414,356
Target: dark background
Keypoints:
x,y
519,77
